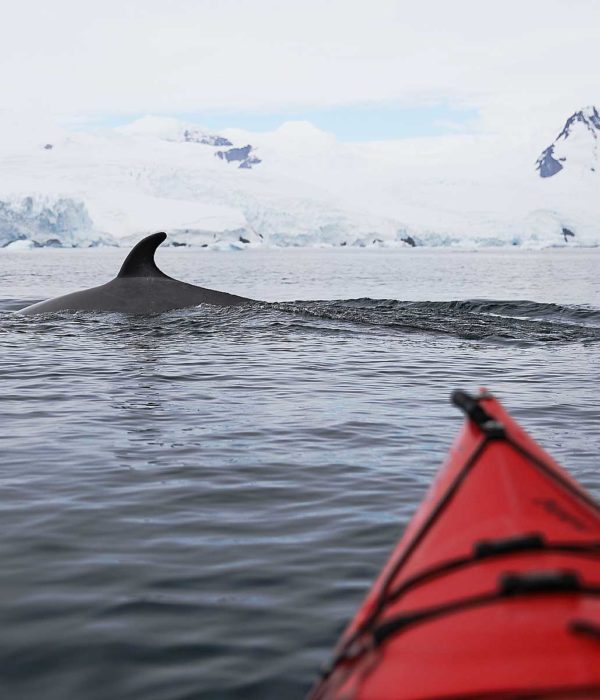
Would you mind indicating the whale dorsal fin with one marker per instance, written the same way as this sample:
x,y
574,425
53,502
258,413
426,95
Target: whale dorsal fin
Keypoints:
x,y
140,261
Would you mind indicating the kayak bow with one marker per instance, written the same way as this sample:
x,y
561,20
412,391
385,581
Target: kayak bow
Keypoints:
x,y
493,590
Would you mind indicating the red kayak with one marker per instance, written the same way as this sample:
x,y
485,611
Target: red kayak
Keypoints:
x,y
494,588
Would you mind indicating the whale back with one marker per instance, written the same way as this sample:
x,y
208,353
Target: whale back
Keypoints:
x,y
139,288
140,261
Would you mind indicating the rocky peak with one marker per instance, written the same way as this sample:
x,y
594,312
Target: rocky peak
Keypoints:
x,y
576,144
588,117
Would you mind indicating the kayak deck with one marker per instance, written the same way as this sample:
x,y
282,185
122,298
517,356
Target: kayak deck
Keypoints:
x,y
494,588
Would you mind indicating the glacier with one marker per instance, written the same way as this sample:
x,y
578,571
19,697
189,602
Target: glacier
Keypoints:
x,y
46,222
295,186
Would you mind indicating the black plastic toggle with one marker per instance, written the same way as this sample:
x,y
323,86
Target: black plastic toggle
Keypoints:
x,y
506,545
547,581
472,408
591,628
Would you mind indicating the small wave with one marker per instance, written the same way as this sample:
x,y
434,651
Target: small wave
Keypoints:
x,y
522,308
470,319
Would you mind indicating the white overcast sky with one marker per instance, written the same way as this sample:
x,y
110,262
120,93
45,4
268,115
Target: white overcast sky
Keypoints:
x,y
513,61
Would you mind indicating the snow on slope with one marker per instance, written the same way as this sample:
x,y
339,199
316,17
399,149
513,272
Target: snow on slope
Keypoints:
x,y
295,186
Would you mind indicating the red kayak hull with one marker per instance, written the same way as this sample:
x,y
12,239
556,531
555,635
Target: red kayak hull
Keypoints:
x,y
493,590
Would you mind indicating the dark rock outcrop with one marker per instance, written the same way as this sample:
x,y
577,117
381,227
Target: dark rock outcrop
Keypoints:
x,y
546,164
242,155
195,136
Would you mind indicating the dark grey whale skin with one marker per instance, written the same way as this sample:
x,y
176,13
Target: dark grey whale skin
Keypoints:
x,y
139,288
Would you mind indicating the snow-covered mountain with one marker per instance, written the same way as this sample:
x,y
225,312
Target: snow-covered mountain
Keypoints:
x,y
576,147
295,186
175,131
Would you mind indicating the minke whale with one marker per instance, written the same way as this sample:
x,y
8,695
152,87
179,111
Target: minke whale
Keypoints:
x,y
139,288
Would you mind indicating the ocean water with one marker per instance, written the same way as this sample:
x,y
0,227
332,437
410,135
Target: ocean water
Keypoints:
x,y
194,503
